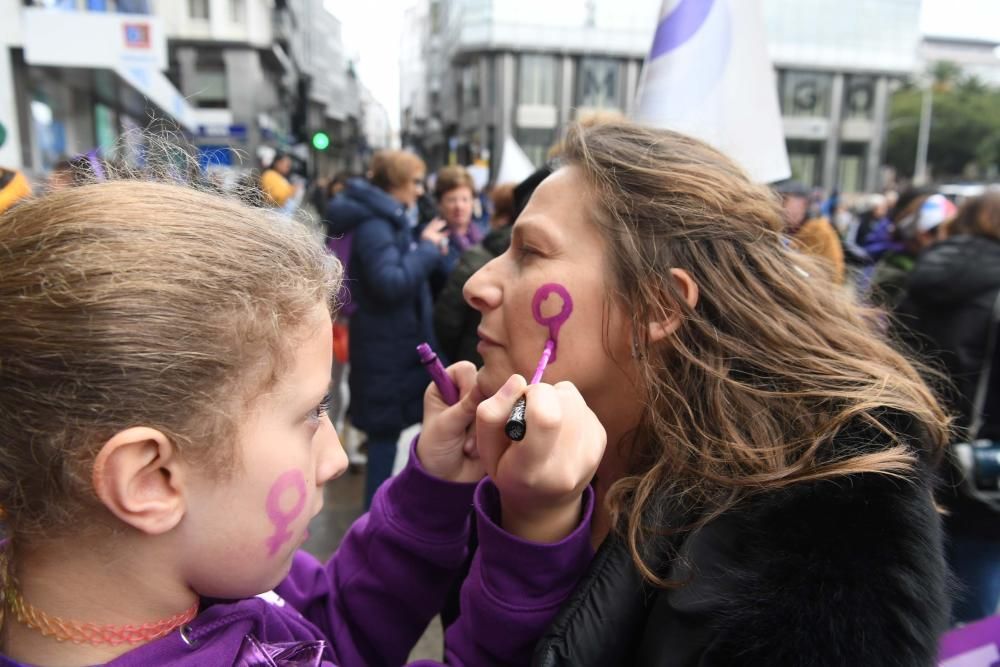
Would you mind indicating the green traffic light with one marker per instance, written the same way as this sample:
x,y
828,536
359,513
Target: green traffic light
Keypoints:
x,y
321,141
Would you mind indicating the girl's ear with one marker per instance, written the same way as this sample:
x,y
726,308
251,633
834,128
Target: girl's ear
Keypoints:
x,y
139,478
688,289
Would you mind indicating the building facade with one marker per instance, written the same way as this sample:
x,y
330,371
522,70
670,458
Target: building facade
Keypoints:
x,y
239,78
498,68
76,76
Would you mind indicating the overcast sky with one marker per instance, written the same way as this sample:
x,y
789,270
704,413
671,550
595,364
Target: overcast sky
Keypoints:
x,y
372,31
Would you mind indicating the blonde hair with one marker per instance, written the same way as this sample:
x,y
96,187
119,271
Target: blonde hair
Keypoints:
x,y
135,303
770,365
393,169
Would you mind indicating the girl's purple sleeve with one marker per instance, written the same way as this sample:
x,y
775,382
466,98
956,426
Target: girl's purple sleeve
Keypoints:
x,y
395,566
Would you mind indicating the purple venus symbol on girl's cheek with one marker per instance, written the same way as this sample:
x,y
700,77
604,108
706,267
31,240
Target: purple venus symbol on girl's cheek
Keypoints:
x,y
282,519
553,322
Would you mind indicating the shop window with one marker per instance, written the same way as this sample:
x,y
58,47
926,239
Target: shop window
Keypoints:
x,y
851,167
805,159
536,142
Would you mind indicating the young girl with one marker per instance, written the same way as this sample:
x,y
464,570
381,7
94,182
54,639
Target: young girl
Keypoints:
x,y
164,356
765,497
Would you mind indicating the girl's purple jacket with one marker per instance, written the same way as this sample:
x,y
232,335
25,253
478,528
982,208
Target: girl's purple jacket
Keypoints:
x,y
371,602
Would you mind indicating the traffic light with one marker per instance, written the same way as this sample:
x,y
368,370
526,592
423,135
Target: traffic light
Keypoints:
x,y
321,141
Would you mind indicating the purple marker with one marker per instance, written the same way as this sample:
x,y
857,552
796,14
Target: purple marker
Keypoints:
x,y
430,360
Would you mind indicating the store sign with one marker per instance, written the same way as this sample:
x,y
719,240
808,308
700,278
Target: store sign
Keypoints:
x,y
137,36
93,39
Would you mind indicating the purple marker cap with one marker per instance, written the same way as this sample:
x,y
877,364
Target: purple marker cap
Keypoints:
x,y
430,360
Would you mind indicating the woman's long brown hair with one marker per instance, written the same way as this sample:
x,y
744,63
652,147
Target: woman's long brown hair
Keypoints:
x,y
774,360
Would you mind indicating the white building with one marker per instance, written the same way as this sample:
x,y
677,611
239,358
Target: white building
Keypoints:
x,y
375,122
72,81
523,67
978,58
233,75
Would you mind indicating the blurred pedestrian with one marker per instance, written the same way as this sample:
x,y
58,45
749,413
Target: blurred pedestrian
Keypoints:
x,y
388,283
948,315
13,188
920,225
815,236
455,322
454,192
274,183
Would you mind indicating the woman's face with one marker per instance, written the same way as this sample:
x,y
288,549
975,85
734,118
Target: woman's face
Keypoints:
x,y
456,209
554,243
408,192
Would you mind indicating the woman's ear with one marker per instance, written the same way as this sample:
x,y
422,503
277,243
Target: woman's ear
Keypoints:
x,y
139,478
684,285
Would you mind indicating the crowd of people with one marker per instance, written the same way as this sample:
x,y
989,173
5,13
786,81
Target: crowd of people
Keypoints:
x,y
764,435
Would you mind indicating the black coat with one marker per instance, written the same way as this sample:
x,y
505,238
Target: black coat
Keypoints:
x,y
388,282
946,313
945,316
847,572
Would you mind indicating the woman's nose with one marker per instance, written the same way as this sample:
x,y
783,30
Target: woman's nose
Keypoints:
x,y
482,290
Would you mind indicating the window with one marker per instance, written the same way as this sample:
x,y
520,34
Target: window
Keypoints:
x,y
805,93
536,143
851,168
133,7
537,83
859,97
238,11
470,86
435,16
198,9
597,83
805,159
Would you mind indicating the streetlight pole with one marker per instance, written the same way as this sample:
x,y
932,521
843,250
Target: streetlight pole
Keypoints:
x,y
920,176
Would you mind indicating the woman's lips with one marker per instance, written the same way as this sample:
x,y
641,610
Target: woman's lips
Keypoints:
x,y
484,339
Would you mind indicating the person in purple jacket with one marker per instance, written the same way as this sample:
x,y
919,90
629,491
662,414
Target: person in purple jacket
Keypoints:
x,y
164,356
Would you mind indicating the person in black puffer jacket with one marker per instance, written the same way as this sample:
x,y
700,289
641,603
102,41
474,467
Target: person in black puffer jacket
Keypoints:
x,y
946,315
766,494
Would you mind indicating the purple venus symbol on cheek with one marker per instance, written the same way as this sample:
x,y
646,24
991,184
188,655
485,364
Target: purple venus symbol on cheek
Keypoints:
x,y
553,322
282,519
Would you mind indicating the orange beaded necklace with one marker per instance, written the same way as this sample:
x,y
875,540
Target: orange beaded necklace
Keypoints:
x,y
82,633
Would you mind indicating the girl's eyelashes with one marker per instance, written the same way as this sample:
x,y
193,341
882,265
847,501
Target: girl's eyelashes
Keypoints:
x,y
320,410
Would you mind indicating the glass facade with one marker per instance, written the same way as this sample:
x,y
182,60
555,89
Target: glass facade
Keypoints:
x,y
805,93
537,80
806,160
859,97
598,83
851,167
536,143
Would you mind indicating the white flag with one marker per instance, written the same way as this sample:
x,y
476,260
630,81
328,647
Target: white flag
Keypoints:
x,y
708,75
514,164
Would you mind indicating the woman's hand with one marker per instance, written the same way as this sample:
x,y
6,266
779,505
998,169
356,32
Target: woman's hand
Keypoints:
x,y
447,443
436,232
541,479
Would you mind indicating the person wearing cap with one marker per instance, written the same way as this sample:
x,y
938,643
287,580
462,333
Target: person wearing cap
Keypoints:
x,y
917,227
814,236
